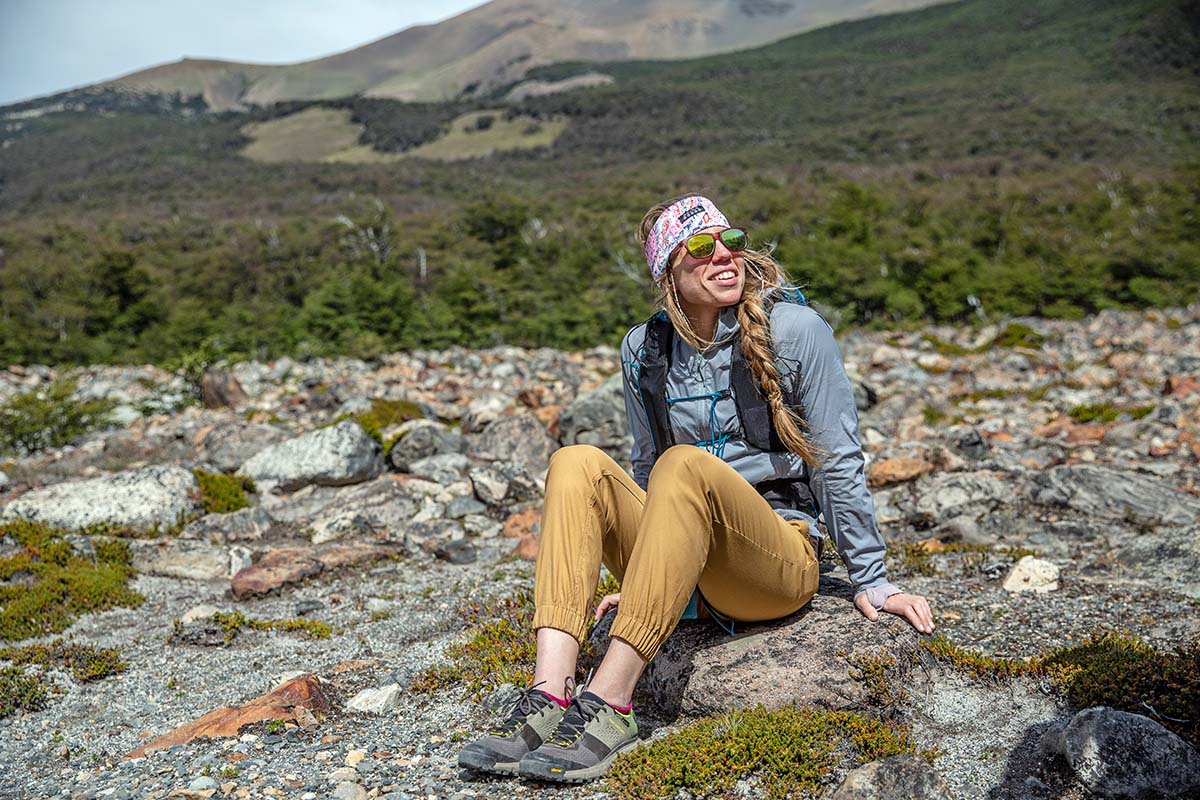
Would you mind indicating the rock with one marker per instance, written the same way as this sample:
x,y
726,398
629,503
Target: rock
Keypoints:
x,y
124,415
528,546
382,505
227,447
892,778
947,495
181,558
202,783
522,523
443,468
420,439
1175,559
219,389
598,418
519,439
896,470
350,791
1115,754
198,613
4,480
459,551
1032,574
376,701
969,443
279,704
503,484
139,498
243,525
354,758
1107,494
464,506
1181,386
344,774
308,607
865,395
286,565
335,456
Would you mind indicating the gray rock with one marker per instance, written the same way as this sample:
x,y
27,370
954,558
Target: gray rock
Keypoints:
x,y
383,504
944,495
502,484
140,498
350,791
865,394
1175,560
598,418
376,701
894,777
464,506
181,558
1112,495
227,447
124,415
441,468
202,783
458,551
519,439
244,525
335,456
1115,754
423,438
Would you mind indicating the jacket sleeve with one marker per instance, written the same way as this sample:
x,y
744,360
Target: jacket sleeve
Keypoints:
x,y
641,456
805,344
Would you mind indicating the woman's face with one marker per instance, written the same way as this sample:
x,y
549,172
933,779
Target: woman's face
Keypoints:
x,y
709,283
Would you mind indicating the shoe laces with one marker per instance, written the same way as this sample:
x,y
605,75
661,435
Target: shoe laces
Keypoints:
x,y
528,705
581,711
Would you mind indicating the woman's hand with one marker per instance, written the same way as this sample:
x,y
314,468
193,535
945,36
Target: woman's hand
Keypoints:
x,y
913,607
607,602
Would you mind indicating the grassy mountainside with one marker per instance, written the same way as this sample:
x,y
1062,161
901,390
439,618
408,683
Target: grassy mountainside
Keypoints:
x,y
1041,159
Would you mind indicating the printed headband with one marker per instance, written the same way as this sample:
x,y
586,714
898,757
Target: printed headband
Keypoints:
x,y
682,219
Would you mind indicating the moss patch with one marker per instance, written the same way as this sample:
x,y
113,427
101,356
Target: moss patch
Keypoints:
x,y
234,622
790,752
383,415
20,692
222,494
1015,334
877,673
1105,413
49,586
83,661
917,558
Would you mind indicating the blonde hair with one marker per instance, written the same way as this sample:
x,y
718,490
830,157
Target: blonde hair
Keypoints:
x,y
763,273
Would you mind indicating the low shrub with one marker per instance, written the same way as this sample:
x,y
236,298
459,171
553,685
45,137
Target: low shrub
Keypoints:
x,y
222,494
48,417
20,692
83,661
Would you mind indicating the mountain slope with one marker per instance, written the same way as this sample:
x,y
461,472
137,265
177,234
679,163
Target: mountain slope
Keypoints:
x,y
497,43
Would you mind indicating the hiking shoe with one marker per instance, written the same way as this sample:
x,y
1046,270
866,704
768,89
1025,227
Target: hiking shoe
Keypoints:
x,y
531,722
589,738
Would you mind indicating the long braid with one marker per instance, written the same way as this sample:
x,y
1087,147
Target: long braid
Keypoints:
x,y
763,273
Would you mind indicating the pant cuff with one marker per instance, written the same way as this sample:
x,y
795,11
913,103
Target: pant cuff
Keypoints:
x,y
561,618
643,638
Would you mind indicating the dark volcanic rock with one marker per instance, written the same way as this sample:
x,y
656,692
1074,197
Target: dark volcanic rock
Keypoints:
x,y
892,778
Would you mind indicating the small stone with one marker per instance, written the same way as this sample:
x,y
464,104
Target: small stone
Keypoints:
x,y
202,783
897,470
463,505
304,718
344,775
1032,574
459,551
354,757
375,701
377,605
308,606
198,613
350,791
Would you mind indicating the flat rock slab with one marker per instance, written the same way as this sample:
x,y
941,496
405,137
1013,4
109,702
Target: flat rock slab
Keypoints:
x,y
138,498
891,778
227,447
1104,493
335,456
286,565
281,703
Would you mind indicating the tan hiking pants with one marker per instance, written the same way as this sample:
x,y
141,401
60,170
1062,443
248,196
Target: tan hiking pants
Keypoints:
x,y
698,524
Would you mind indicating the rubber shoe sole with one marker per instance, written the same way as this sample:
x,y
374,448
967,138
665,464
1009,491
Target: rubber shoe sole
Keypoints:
x,y
535,769
481,761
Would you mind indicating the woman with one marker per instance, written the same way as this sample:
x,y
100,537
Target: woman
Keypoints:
x,y
728,513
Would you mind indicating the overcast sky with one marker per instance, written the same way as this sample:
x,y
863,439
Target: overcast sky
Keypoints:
x,y
47,46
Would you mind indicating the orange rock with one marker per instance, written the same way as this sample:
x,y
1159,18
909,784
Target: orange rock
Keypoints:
x,y
302,691
527,547
1086,434
1055,427
1180,386
997,436
354,665
522,523
201,435
1191,443
292,564
548,416
897,470
931,545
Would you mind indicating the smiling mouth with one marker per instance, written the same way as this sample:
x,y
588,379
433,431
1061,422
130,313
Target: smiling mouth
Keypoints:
x,y
724,275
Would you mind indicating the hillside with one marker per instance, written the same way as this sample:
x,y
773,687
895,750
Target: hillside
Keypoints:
x,y
498,42
959,162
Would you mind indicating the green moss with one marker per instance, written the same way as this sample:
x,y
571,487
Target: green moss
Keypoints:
x,y
1016,335
986,394
222,494
877,672
233,622
83,661
1105,413
1172,324
48,417
917,559
790,752
946,348
20,692
932,415
384,414
60,585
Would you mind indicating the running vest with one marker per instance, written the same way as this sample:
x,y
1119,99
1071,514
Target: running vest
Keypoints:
x,y
758,426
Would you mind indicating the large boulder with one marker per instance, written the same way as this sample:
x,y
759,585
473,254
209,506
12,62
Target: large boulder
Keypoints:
x,y
247,524
421,438
598,418
382,506
1111,495
183,558
335,456
520,439
227,447
139,498
1115,754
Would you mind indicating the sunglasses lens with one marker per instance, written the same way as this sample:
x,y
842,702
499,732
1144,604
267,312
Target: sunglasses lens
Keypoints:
x,y
735,239
701,245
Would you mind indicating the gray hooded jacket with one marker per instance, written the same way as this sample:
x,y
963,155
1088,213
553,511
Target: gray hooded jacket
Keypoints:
x,y
703,412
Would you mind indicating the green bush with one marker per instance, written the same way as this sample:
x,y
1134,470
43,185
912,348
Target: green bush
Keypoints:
x,y
48,417
20,692
222,494
83,661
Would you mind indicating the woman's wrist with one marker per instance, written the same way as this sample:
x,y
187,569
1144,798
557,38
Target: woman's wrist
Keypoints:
x,y
878,595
